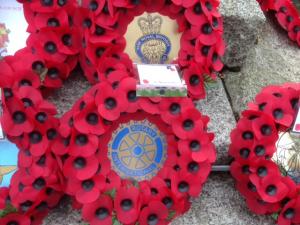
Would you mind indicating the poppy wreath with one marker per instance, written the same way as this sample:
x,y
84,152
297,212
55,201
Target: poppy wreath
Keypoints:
x,y
71,155
253,143
61,36
93,35
286,14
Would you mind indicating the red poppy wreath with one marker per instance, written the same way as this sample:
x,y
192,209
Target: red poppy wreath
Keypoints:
x,y
286,14
93,34
268,187
165,151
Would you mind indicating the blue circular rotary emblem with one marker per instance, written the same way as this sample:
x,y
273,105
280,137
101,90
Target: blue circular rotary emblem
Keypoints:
x,y
137,150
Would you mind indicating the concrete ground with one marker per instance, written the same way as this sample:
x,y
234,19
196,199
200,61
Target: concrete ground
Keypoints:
x,y
258,54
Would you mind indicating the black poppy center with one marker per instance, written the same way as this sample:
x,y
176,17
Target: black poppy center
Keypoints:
x,y
204,50
50,47
126,204
47,2
208,5
262,171
278,114
99,52
188,125
271,190
102,213
53,22
81,139
266,130
79,163
244,153
61,2
8,93
207,29
88,185
289,213
12,222
25,82
41,117
93,5
99,31
193,167
260,150
53,73
19,117
110,103
175,108
168,202
87,23
194,80
67,39
92,119
38,66
51,134
195,146
248,135
183,187
152,219
198,9
39,183
35,137
131,96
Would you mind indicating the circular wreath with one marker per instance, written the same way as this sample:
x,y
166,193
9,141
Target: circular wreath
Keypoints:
x,y
63,35
259,179
93,34
286,14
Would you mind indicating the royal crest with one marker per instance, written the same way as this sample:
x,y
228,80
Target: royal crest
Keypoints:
x,y
137,150
153,47
287,155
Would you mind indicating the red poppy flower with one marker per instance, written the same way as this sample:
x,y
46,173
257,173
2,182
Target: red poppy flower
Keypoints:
x,y
209,8
112,179
290,214
88,121
205,31
99,212
69,40
199,146
54,19
86,191
240,170
82,144
81,168
44,165
55,74
261,207
16,121
109,65
195,80
188,123
46,43
185,184
110,102
272,189
127,204
294,30
15,218
155,213
172,107
262,168
199,170
128,86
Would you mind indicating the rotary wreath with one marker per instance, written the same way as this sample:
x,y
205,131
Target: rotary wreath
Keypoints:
x,y
76,154
258,178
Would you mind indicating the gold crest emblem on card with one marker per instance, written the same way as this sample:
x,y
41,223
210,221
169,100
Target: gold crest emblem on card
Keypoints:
x,y
153,39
